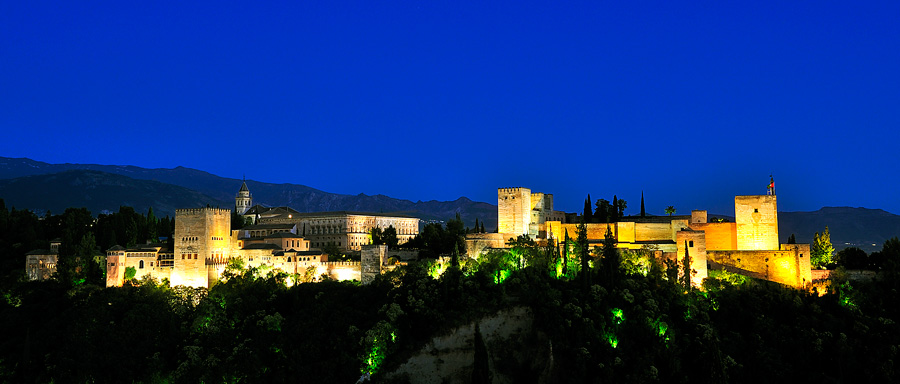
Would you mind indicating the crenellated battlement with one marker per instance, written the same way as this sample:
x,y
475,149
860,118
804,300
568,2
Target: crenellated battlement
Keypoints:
x,y
512,190
198,211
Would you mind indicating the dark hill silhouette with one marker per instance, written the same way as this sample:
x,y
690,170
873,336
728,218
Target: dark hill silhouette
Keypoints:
x,y
299,197
850,227
98,192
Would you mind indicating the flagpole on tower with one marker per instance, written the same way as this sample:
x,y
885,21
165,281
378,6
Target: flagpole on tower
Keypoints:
x,y
771,189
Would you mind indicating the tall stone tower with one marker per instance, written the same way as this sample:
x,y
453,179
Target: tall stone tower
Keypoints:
x,y
513,210
757,222
371,259
243,201
115,266
200,234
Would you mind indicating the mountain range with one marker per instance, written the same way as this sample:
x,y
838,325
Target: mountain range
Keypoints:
x,y
26,183
39,186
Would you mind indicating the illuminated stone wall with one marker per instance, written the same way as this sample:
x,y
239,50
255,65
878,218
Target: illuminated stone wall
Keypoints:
x,y
371,259
698,217
513,210
476,243
342,270
719,236
757,222
789,265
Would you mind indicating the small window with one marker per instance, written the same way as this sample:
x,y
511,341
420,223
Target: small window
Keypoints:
x,y
755,210
691,243
141,264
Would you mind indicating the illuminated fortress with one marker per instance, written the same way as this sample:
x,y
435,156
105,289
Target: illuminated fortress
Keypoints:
x,y
281,239
748,246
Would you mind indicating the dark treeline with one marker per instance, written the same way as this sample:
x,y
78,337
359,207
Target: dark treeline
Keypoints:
x,y
855,258
603,210
608,316
435,239
616,319
81,234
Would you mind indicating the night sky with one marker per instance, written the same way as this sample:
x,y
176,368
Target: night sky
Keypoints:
x,y
427,100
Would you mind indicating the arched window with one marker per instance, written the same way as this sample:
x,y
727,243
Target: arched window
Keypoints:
x,y
141,264
289,259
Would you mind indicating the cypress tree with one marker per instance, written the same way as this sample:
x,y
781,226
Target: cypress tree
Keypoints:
x,y
686,262
642,205
587,209
582,242
614,214
610,256
565,260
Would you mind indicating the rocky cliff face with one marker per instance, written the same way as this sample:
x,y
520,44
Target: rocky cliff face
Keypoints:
x,y
516,353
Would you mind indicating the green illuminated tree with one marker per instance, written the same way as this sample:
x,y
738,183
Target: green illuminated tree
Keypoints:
x,y
821,250
670,210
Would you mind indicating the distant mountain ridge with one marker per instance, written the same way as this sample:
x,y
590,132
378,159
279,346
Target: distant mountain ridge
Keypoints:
x,y
36,185
99,192
850,227
299,197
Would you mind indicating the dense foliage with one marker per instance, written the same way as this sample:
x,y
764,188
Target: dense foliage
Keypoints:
x,y
610,317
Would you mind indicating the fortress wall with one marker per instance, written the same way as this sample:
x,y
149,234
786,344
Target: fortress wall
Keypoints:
x,y
781,266
342,270
719,236
804,266
653,231
625,231
476,243
595,231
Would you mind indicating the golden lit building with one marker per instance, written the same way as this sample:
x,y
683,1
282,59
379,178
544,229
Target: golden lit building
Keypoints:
x,y
748,246
281,238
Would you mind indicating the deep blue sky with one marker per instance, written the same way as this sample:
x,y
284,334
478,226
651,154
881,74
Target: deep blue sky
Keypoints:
x,y
435,100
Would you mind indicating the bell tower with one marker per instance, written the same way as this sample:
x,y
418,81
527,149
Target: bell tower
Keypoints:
x,y
243,201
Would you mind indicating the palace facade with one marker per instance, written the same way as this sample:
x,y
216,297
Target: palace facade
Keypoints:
x,y
281,238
